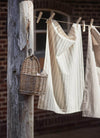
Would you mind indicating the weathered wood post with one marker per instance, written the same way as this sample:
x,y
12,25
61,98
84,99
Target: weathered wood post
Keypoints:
x,y
20,108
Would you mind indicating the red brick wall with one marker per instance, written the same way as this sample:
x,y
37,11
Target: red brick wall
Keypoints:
x,y
46,121
3,67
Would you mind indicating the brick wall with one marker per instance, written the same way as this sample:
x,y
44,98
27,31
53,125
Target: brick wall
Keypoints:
x,y
47,121
3,68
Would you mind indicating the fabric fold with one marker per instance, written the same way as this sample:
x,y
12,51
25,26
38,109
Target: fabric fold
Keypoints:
x,y
64,66
91,98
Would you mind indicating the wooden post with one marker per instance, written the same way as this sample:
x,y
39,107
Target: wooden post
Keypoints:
x,y
20,108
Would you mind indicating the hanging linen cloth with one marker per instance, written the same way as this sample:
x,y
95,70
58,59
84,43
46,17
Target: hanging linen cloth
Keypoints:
x,y
64,66
91,100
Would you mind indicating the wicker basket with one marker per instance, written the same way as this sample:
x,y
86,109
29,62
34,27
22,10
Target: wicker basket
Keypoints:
x,y
31,80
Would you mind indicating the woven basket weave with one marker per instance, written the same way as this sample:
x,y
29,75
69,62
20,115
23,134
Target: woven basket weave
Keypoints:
x,y
30,81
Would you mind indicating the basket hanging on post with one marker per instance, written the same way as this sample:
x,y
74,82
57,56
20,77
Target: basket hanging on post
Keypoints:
x,y
32,82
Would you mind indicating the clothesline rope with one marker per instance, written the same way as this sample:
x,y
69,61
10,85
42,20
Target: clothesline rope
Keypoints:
x,y
66,22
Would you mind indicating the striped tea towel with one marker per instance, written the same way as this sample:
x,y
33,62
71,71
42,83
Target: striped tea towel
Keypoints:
x,y
64,66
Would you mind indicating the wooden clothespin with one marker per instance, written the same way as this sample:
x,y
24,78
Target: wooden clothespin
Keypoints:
x,y
78,21
83,25
51,17
91,22
39,17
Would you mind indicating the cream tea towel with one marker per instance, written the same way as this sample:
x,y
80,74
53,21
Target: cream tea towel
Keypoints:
x,y
64,66
91,100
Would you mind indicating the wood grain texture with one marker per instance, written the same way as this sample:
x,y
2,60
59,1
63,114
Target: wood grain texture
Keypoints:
x,y
19,108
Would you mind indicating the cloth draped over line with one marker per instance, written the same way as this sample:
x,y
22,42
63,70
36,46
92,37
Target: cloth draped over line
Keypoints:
x,y
64,66
91,98
26,27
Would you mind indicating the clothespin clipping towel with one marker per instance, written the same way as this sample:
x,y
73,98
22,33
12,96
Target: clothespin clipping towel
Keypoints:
x,y
51,17
39,17
91,22
83,25
78,21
